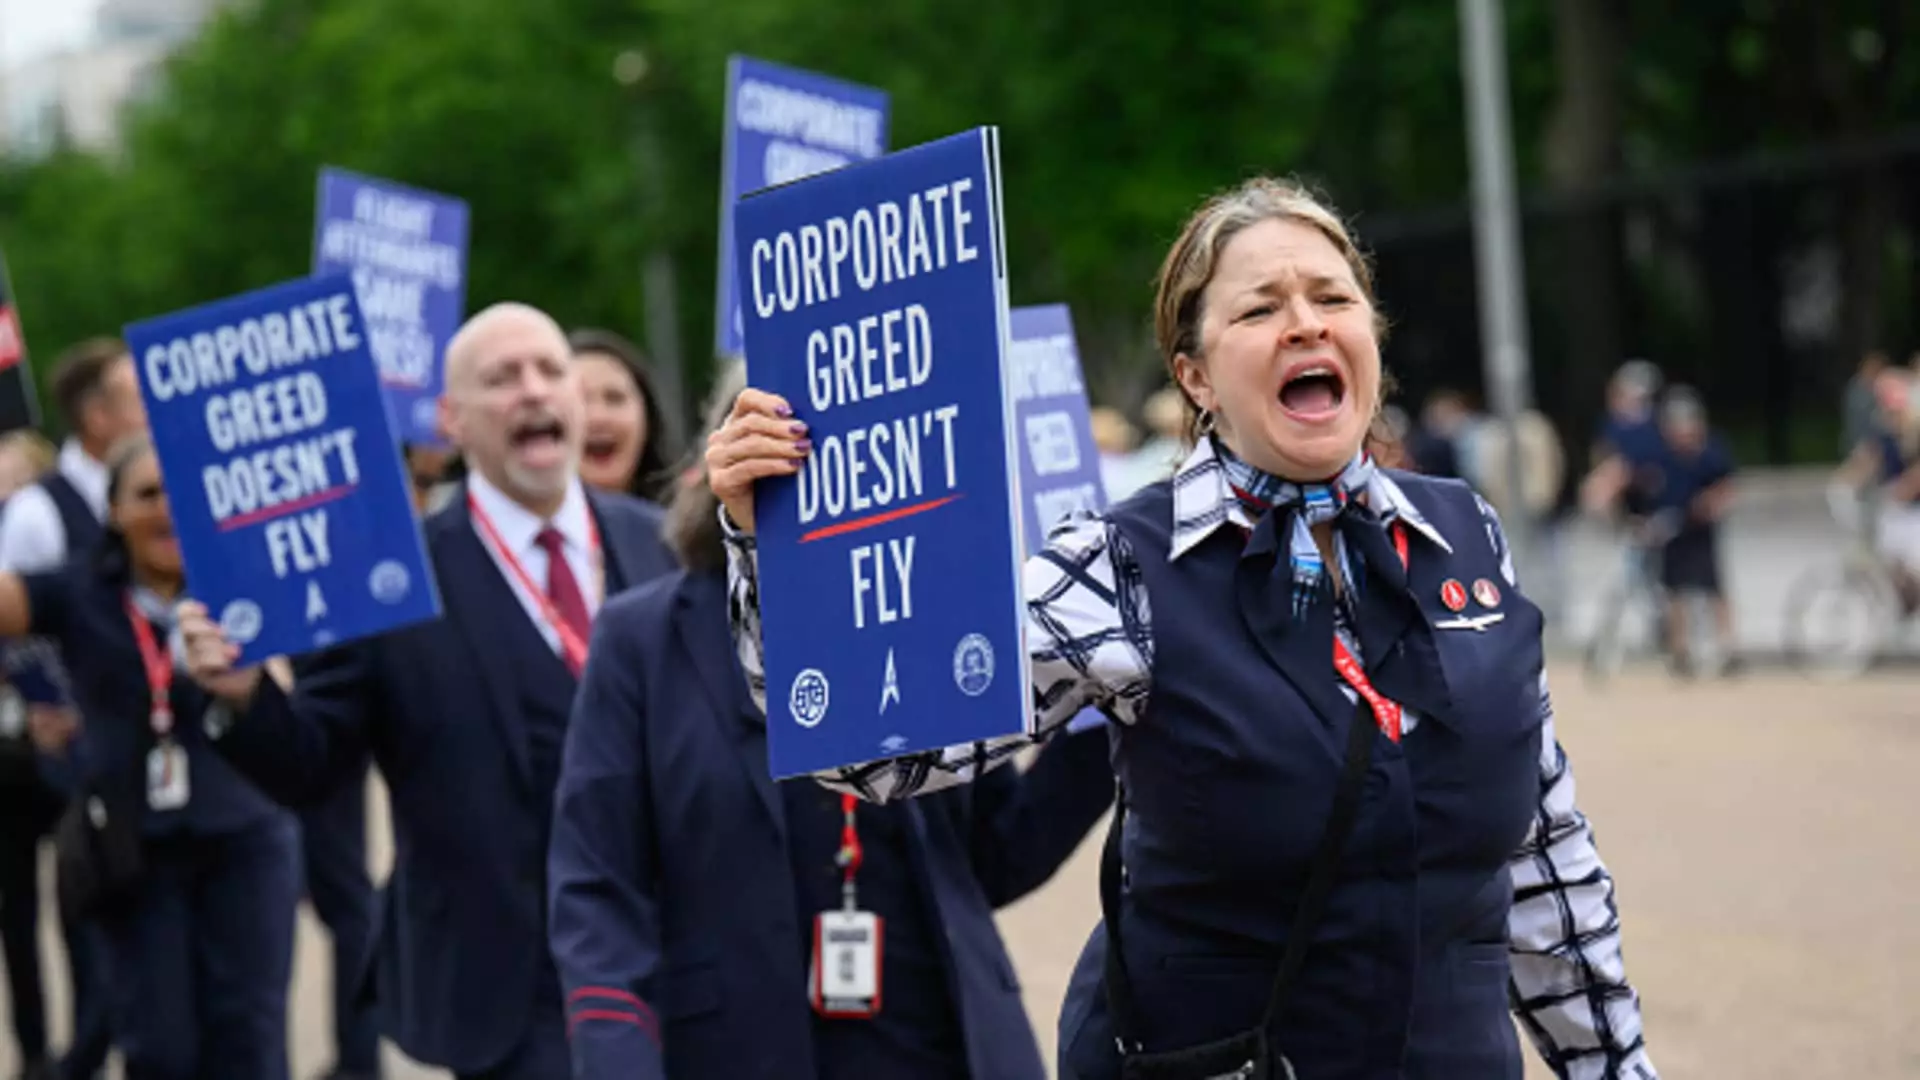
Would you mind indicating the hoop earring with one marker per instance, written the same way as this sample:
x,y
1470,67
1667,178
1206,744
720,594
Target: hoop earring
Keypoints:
x,y
1204,424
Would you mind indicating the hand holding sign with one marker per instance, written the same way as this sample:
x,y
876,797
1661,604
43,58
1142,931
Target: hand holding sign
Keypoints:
x,y
210,657
760,439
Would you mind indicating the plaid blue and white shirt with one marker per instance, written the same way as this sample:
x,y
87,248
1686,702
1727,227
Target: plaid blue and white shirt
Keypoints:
x,y
1090,642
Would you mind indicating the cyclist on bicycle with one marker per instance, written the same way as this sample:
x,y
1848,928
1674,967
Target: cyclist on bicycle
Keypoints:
x,y
1691,496
1888,458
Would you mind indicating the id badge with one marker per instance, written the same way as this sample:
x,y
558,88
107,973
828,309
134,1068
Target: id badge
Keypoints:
x,y
845,977
167,787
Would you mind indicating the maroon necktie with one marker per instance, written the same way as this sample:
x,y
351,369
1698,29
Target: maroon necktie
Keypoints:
x,y
562,589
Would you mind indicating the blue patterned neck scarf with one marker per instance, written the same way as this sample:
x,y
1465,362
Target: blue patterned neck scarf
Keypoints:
x,y
1311,504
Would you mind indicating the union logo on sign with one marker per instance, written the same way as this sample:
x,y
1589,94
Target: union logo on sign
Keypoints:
x,y
808,698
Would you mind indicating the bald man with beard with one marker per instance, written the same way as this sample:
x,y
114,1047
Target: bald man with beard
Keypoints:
x,y
465,716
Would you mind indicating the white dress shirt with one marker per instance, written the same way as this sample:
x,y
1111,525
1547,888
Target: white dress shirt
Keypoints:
x,y
518,527
32,536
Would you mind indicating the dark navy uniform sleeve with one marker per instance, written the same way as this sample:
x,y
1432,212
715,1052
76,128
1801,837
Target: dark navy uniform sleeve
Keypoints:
x,y
1026,824
49,598
604,922
300,747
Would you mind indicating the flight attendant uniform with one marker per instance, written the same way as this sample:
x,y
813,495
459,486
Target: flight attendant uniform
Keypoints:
x,y
1200,618
203,945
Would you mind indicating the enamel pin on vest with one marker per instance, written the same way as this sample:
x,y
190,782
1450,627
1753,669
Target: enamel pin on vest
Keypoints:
x,y
1485,592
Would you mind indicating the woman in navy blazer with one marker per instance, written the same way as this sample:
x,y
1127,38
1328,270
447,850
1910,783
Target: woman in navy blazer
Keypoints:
x,y
1289,637
684,881
202,942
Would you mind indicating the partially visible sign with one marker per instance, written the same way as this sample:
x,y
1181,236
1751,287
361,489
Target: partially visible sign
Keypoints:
x,y
19,406
1059,463
890,600
784,124
283,473
407,251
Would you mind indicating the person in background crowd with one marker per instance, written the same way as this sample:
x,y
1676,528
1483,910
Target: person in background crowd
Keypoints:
x,y
53,522
685,896
626,436
1389,438
1859,412
465,715
1692,496
201,941
1628,448
1888,459
1156,458
1434,447
428,469
98,395
1117,439
1279,605
25,456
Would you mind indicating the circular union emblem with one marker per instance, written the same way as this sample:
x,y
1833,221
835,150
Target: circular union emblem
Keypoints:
x,y
1487,593
240,621
389,581
973,665
808,698
1453,595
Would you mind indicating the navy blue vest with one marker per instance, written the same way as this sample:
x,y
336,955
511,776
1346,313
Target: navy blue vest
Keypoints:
x,y
1231,773
82,528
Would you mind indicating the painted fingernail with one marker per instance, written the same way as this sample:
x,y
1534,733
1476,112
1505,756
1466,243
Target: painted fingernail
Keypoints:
x,y
784,411
798,428
803,445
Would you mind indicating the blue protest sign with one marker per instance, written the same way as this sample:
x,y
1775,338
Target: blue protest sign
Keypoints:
x,y
784,124
407,252
1059,463
282,468
875,300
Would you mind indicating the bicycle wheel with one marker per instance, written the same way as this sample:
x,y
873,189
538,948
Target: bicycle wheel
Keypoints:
x,y
1837,617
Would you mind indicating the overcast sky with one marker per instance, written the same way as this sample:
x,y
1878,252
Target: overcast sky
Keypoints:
x,y
30,28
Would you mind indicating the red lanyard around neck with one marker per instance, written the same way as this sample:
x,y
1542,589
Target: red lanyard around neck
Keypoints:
x,y
159,668
571,643
1386,713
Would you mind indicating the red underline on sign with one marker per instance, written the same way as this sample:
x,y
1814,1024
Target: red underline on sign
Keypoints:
x,y
868,522
268,513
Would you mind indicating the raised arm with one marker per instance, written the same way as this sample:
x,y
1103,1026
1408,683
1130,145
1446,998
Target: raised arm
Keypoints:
x,y
1086,639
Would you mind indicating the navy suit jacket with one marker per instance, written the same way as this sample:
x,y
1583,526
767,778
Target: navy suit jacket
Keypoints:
x,y
673,900
456,952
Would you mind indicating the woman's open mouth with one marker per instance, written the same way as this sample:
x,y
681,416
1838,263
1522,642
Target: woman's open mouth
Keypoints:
x,y
1313,393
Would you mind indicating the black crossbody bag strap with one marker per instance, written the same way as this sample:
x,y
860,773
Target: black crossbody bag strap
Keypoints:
x,y
1306,920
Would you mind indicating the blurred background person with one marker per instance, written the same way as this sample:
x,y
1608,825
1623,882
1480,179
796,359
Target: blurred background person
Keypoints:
x,y
25,456
1694,493
626,448
686,882
1886,463
97,395
199,925
1166,420
430,471
1859,408
55,521
1434,448
1388,440
1117,440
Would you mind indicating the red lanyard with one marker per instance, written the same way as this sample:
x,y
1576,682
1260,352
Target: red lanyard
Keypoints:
x,y
159,669
850,854
571,643
1385,713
